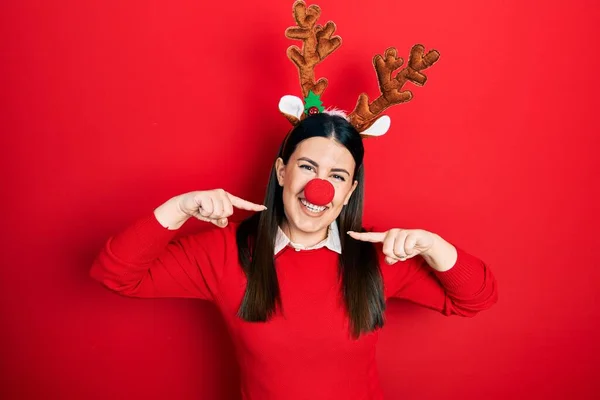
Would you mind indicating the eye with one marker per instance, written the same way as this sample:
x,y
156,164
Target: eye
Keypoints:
x,y
307,167
339,178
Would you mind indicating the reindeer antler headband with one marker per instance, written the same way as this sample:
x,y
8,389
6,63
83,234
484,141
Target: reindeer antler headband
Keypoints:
x,y
318,43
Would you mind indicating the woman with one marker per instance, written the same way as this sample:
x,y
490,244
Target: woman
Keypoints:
x,y
301,287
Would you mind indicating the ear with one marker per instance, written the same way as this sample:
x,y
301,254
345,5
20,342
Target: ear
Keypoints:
x,y
379,127
347,199
292,108
280,170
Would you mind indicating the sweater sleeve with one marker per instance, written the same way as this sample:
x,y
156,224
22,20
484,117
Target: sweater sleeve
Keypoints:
x,y
145,260
465,289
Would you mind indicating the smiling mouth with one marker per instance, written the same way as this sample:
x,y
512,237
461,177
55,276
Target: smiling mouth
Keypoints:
x,y
313,208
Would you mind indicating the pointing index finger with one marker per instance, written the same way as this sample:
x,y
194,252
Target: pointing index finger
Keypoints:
x,y
244,204
373,237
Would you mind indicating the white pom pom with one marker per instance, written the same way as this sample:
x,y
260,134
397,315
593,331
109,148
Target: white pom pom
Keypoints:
x,y
336,111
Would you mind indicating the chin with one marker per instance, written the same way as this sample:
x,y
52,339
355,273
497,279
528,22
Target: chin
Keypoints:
x,y
308,222
312,224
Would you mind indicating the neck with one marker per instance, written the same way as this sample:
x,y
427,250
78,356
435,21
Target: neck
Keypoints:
x,y
304,238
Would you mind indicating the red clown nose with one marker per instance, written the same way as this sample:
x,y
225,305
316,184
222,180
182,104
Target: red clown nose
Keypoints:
x,y
319,192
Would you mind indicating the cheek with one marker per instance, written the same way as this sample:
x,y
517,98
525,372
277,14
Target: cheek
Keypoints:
x,y
295,182
341,191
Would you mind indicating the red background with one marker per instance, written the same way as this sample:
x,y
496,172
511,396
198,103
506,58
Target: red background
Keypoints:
x,y
109,108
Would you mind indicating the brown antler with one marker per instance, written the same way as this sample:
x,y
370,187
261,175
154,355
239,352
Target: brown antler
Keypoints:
x,y
365,114
318,44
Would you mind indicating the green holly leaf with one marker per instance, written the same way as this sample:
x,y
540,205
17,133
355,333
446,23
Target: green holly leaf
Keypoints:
x,y
313,100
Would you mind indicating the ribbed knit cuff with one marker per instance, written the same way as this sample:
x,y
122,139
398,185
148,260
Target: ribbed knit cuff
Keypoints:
x,y
141,241
466,276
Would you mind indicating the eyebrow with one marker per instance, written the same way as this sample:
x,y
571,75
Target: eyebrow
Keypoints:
x,y
308,160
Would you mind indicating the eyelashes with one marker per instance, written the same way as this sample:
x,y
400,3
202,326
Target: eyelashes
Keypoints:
x,y
312,169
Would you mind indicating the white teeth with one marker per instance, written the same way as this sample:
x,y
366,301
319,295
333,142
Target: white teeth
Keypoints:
x,y
312,207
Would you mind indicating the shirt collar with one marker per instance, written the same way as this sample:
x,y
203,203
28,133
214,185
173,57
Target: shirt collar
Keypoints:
x,y
332,241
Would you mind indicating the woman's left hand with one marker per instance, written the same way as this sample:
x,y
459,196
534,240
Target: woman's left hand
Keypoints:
x,y
399,244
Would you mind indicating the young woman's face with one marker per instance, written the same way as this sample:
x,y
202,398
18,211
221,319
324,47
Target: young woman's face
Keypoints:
x,y
316,157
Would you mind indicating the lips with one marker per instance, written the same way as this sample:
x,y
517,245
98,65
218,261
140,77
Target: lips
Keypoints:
x,y
312,209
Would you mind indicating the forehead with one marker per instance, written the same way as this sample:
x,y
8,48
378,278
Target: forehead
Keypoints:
x,y
324,151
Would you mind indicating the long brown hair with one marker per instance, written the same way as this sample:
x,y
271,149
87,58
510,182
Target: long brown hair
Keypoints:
x,y
362,284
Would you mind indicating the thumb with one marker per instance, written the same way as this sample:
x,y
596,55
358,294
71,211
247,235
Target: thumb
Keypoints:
x,y
390,260
221,222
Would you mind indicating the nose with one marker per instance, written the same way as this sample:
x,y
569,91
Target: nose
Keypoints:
x,y
319,192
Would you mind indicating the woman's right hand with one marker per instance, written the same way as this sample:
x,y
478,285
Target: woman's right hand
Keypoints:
x,y
213,206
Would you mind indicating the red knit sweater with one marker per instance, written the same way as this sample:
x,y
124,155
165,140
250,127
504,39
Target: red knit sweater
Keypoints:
x,y
305,351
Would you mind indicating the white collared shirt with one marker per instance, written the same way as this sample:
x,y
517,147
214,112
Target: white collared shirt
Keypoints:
x,y
332,241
